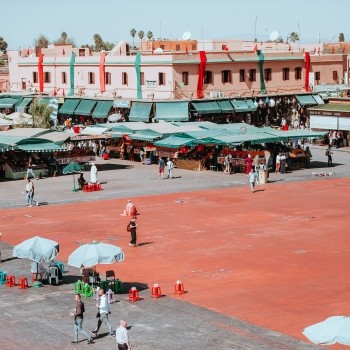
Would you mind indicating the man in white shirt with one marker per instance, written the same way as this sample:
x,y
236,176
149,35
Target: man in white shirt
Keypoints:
x,y
104,311
170,166
122,336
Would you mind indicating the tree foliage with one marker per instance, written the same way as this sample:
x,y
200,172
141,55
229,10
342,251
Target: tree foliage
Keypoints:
x,y
3,45
42,41
341,37
65,39
141,34
149,35
101,45
133,33
41,114
294,36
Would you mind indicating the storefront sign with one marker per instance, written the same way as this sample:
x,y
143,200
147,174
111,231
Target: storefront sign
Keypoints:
x,y
329,113
121,104
90,137
83,159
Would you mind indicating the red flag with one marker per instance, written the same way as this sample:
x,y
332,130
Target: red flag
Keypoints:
x,y
27,53
54,92
332,49
186,49
289,47
63,52
224,47
255,47
152,49
63,94
315,50
318,51
120,51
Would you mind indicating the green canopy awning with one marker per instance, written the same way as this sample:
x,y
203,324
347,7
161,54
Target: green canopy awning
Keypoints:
x,y
25,102
172,111
174,142
40,147
225,106
140,112
69,106
8,102
85,107
102,109
241,106
206,107
306,100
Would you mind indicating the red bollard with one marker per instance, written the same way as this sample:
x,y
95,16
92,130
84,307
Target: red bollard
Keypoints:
x,y
156,291
133,294
179,288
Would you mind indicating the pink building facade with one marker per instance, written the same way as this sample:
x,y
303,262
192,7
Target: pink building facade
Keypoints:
x,y
172,75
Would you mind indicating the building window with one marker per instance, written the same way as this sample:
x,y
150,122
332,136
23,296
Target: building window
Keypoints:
x,y
35,77
142,78
208,77
268,74
91,78
194,47
298,73
162,47
317,76
226,76
64,77
161,78
335,75
252,74
108,78
177,47
81,52
185,78
242,75
124,78
47,77
285,73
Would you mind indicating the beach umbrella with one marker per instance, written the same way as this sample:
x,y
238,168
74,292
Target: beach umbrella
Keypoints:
x,y
335,329
94,253
36,249
73,168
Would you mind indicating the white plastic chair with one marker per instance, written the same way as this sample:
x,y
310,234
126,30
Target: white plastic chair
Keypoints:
x,y
53,274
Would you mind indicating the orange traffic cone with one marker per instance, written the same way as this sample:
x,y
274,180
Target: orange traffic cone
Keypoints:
x,y
156,291
179,288
133,294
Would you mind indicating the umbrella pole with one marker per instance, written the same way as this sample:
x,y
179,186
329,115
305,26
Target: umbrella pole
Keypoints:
x,y
74,189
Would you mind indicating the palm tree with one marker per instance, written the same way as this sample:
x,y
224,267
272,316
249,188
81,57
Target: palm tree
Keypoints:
x,y
294,36
42,41
149,35
341,37
41,114
141,35
133,33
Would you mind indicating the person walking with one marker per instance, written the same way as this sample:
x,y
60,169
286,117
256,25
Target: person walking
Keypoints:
x,y
170,166
78,320
29,190
329,155
122,337
103,312
132,227
252,179
30,168
161,165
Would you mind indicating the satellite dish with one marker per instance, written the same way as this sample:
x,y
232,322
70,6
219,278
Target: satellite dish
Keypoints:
x,y
158,50
186,36
274,35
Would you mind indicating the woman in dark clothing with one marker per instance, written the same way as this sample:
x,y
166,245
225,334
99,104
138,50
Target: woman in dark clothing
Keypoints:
x,y
133,226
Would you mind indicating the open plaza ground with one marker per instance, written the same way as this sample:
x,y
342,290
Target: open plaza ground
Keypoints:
x,y
257,267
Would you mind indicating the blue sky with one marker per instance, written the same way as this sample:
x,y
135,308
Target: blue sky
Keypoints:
x,y
25,20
